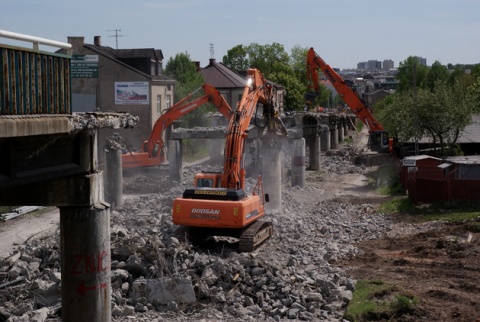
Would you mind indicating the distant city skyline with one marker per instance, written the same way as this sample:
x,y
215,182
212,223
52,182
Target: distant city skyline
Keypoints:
x,y
342,32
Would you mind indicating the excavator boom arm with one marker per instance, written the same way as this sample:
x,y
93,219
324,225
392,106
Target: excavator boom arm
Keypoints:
x,y
315,62
212,95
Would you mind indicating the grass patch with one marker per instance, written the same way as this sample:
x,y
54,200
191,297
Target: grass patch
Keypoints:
x,y
454,212
449,211
398,205
375,300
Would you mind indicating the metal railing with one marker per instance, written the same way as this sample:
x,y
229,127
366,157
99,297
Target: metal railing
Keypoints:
x,y
33,81
36,41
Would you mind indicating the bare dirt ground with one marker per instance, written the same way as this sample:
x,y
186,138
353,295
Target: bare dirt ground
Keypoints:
x,y
436,262
439,266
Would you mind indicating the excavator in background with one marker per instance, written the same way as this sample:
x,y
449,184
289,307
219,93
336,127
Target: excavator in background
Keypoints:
x,y
218,204
153,150
378,137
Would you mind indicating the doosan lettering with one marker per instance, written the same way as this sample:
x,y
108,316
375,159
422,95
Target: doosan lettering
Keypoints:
x,y
205,211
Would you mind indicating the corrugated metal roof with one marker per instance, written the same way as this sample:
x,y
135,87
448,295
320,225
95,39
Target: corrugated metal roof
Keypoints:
x,y
445,165
421,157
471,133
471,159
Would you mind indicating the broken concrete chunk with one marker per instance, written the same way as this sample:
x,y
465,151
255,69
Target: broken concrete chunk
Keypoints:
x,y
163,290
210,275
119,275
40,315
135,266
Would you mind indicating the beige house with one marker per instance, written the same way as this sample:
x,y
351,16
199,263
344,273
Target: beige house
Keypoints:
x,y
120,80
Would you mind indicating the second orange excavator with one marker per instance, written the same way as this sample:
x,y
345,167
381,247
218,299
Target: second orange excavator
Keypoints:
x,y
378,139
153,150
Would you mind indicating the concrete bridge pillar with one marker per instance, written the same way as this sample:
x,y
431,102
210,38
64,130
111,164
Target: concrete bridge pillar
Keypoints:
x,y
324,139
175,160
272,171
315,152
215,146
298,163
341,132
333,137
113,174
85,253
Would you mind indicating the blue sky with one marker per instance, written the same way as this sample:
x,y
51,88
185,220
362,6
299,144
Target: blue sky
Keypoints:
x,y
342,32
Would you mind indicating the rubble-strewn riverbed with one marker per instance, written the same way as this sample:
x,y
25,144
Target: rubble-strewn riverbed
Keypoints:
x,y
157,275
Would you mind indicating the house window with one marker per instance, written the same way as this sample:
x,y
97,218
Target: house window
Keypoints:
x,y
169,101
159,68
153,67
159,104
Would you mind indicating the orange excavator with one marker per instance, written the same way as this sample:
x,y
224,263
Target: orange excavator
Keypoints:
x,y
153,150
218,204
378,137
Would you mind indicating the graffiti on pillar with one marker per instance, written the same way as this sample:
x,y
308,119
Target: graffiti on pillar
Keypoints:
x,y
82,288
88,264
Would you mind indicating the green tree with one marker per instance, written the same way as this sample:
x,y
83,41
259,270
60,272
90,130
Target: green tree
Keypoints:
x,y
459,76
439,115
298,57
473,96
475,72
294,88
409,72
437,72
183,70
276,66
267,58
443,114
237,59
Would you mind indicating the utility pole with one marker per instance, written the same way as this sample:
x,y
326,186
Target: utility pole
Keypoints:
x,y
116,35
415,106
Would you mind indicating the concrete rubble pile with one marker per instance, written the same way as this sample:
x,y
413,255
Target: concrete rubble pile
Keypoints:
x,y
156,275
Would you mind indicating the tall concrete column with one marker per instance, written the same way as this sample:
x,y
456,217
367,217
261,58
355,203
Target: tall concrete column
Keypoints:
x,y
314,157
340,131
113,176
215,148
272,171
85,253
298,163
345,128
333,137
175,160
325,139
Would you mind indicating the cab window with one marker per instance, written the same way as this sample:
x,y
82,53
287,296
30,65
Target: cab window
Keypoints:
x,y
208,183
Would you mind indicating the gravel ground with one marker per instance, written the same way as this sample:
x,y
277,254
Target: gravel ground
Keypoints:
x,y
292,276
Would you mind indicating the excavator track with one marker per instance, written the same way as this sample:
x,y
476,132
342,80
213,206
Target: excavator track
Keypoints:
x,y
254,235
